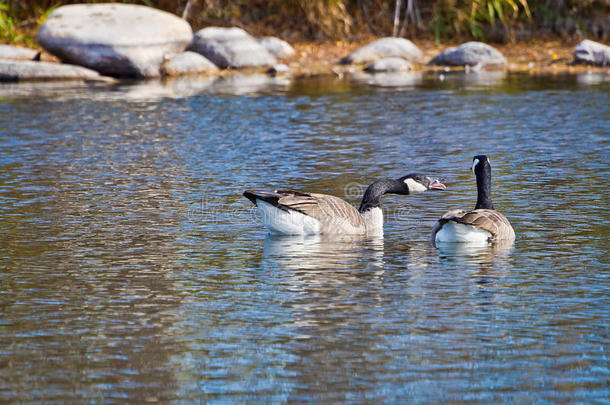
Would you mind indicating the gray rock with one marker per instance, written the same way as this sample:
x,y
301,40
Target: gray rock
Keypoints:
x,y
278,48
389,65
114,39
385,48
279,69
187,63
19,70
469,54
592,53
17,53
231,47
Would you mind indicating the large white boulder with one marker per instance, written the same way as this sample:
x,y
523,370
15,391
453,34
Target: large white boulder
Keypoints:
x,y
592,53
470,54
114,39
231,47
389,47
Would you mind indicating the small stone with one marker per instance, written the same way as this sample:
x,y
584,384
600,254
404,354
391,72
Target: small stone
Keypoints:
x,y
385,48
470,54
389,65
231,47
592,53
17,70
278,48
279,69
187,63
17,53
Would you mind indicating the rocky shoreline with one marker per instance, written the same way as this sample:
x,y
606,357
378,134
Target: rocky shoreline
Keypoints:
x,y
109,41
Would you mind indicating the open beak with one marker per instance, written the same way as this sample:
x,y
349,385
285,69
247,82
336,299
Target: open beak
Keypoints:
x,y
436,185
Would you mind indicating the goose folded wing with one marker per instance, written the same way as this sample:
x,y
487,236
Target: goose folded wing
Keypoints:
x,y
489,220
325,208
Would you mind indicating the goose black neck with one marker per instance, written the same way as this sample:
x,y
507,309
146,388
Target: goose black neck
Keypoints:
x,y
372,195
484,188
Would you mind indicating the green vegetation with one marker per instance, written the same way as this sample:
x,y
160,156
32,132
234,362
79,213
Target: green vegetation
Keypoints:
x,y
492,20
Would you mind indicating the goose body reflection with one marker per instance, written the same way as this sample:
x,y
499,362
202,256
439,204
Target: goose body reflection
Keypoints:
x,y
475,254
320,254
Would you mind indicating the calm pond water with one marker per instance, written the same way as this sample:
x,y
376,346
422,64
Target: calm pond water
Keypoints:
x,y
134,271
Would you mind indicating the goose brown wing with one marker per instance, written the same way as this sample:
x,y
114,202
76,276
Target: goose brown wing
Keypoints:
x,y
325,208
491,221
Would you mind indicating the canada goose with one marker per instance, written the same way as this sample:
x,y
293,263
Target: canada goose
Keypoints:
x,y
483,224
291,212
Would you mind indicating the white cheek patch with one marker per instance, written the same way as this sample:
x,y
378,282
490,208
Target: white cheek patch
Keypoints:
x,y
474,164
414,186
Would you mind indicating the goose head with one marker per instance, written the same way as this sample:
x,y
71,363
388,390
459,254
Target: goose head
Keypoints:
x,y
481,165
413,183
416,183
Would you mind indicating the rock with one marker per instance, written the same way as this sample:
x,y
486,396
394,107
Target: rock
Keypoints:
x,y
592,53
279,69
385,48
187,63
389,65
278,48
17,70
469,54
114,39
231,47
17,53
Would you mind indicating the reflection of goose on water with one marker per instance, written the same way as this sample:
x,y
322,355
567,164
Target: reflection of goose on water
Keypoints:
x,y
482,225
476,254
322,280
390,79
318,253
288,212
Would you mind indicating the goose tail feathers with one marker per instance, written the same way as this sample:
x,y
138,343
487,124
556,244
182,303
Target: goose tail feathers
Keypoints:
x,y
270,197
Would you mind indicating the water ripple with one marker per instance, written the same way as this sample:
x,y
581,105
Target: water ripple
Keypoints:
x,y
134,271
